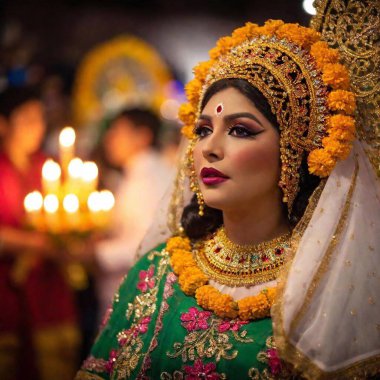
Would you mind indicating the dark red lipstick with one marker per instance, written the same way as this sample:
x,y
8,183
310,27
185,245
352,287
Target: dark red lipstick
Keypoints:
x,y
211,176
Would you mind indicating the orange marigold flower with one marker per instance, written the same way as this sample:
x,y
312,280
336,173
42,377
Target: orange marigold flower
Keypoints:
x,y
341,100
271,294
181,261
320,163
254,307
193,89
249,30
202,69
323,54
204,296
341,134
270,27
299,35
186,113
223,45
178,242
188,131
338,149
341,122
225,307
191,279
336,76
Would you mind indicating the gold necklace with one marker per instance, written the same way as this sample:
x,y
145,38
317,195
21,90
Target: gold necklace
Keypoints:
x,y
241,265
194,282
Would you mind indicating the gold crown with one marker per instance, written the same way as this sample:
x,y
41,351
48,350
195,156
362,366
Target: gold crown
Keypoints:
x,y
306,87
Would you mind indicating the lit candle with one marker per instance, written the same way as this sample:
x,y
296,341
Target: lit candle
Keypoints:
x,y
107,200
75,170
33,204
71,207
51,175
66,146
90,176
94,204
51,206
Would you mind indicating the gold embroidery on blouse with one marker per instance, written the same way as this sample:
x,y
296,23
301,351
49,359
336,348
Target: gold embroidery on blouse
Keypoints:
x,y
209,343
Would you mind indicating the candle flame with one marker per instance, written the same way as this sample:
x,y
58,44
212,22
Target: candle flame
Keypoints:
x,y
51,203
75,168
51,171
71,203
94,201
90,171
33,201
67,137
107,200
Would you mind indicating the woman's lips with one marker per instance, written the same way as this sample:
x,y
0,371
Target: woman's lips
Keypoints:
x,y
211,176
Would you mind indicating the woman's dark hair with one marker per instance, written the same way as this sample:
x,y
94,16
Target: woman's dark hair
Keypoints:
x,y
197,227
142,118
15,97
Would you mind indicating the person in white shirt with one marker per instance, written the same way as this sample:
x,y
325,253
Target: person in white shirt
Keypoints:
x,y
130,144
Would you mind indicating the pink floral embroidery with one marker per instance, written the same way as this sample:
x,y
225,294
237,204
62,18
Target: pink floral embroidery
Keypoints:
x,y
195,319
274,361
201,371
170,280
147,280
111,361
141,327
230,325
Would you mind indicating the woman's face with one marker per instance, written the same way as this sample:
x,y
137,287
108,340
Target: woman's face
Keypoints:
x,y
28,126
237,155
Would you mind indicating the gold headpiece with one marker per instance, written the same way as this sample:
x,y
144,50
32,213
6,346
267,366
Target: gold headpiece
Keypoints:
x,y
304,84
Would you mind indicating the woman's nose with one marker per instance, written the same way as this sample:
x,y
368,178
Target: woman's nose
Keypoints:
x,y
213,148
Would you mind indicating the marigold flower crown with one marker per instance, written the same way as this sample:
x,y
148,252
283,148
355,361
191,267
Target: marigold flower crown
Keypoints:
x,y
304,84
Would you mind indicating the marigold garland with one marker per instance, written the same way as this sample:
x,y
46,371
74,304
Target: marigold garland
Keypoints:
x,y
340,101
193,282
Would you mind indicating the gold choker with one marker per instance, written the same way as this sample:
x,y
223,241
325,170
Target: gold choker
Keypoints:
x,y
241,265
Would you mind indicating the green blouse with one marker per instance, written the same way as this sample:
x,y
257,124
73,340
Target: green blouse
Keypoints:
x,y
155,331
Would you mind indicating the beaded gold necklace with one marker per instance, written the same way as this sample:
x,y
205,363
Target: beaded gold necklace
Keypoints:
x,y
193,281
241,265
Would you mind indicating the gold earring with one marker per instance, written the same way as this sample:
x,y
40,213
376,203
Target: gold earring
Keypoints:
x,y
193,180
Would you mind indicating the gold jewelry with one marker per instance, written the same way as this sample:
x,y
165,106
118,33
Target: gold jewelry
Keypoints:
x,y
193,179
241,265
304,84
194,282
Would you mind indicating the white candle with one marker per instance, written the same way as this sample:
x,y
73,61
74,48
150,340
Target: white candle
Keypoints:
x,y
71,207
33,204
51,176
90,176
51,206
66,146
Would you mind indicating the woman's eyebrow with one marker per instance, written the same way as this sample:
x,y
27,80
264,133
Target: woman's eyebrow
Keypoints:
x,y
233,116
205,117
242,114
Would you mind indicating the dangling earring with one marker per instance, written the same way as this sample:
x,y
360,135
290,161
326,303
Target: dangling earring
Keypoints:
x,y
193,179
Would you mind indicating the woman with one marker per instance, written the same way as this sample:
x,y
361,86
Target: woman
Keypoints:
x,y
38,317
259,280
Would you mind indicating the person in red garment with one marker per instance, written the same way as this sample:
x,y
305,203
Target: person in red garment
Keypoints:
x,y
38,334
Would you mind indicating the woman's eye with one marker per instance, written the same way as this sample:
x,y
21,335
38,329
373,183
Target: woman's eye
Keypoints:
x,y
240,131
202,130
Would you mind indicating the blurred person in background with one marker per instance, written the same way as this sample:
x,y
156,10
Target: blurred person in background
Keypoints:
x,y
38,333
131,144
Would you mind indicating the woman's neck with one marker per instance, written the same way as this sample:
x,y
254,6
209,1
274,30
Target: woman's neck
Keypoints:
x,y
253,225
